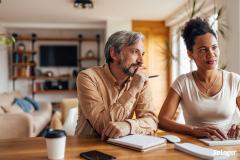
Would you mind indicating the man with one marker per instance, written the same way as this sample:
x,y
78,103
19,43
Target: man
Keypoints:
x,y
109,95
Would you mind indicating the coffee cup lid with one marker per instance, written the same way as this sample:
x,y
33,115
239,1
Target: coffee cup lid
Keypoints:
x,y
57,133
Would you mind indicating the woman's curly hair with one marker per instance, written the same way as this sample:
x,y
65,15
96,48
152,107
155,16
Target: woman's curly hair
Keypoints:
x,y
193,28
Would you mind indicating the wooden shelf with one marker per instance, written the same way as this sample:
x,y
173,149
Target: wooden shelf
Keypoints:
x,y
22,77
26,38
55,78
55,91
22,64
45,78
25,52
87,58
56,39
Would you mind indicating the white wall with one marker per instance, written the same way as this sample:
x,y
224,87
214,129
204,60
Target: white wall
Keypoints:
x,y
233,38
4,77
117,25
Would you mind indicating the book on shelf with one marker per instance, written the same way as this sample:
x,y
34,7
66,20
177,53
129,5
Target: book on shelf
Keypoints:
x,y
138,142
21,57
23,71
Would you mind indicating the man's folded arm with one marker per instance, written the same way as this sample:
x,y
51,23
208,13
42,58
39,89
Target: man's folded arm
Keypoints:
x,y
146,120
93,107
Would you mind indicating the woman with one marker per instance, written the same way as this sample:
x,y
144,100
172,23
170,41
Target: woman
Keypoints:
x,y
209,96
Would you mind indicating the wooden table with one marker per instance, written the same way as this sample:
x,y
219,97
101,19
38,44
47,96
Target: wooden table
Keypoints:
x,y
35,149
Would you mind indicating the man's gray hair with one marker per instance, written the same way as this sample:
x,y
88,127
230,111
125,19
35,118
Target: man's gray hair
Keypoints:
x,y
120,39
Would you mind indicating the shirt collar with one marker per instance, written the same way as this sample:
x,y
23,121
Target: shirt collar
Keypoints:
x,y
110,76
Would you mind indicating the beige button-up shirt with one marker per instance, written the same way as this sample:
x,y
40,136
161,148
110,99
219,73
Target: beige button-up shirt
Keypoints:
x,y
101,100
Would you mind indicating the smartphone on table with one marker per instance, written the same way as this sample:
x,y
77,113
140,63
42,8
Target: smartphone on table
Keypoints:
x,y
96,155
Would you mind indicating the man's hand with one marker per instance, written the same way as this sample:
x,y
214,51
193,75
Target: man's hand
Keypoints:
x,y
115,130
138,81
234,131
209,132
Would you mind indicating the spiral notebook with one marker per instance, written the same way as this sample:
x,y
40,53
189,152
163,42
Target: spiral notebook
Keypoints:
x,y
138,142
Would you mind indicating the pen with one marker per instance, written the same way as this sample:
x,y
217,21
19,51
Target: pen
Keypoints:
x,y
153,76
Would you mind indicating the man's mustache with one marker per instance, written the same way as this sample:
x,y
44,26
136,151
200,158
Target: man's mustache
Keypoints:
x,y
136,64
140,65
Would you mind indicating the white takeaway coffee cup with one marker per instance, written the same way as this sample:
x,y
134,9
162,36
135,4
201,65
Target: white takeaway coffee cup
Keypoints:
x,y
56,141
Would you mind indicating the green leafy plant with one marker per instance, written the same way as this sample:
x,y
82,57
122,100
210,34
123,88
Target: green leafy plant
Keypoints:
x,y
219,13
6,40
220,19
195,9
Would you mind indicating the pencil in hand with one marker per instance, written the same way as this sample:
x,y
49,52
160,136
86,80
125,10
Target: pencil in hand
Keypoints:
x,y
153,76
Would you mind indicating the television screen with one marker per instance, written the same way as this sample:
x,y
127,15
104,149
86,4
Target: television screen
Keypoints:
x,y
58,55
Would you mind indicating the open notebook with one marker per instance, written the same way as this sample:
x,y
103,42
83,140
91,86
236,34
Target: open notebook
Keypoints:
x,y
138,142
228,142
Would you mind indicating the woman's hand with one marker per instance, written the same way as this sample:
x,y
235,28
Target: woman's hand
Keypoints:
x,y
209,132
234,131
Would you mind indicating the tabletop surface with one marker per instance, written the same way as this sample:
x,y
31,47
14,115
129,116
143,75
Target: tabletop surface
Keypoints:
x,y
35,148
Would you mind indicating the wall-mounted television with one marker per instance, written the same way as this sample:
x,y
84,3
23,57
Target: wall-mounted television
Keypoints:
x,y
58,55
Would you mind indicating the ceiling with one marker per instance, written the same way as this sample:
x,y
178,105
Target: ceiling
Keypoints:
x,y
62,11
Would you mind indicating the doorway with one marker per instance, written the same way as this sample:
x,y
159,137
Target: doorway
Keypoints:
x,y
157,57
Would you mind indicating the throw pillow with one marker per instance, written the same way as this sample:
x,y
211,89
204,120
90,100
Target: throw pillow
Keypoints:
x,y
25,105
33,102
8,97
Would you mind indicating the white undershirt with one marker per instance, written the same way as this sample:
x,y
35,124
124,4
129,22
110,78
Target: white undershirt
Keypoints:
x,y
219,110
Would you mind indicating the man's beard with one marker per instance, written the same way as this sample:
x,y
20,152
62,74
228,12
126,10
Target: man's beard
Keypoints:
x,y
128,71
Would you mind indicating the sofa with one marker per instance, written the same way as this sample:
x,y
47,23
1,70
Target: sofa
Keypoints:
x,y
66,118
15,123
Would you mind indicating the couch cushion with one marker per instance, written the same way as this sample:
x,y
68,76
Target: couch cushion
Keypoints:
x,y
66,105
33,102
41,117
2,110
7,98
56,122
12,109
24,105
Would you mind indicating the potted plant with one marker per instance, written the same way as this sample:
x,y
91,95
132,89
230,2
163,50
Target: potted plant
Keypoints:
x,y
6,40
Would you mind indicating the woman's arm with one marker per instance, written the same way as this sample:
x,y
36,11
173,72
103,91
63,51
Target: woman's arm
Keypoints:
x,y
234,131
167,113
238,102
166,123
